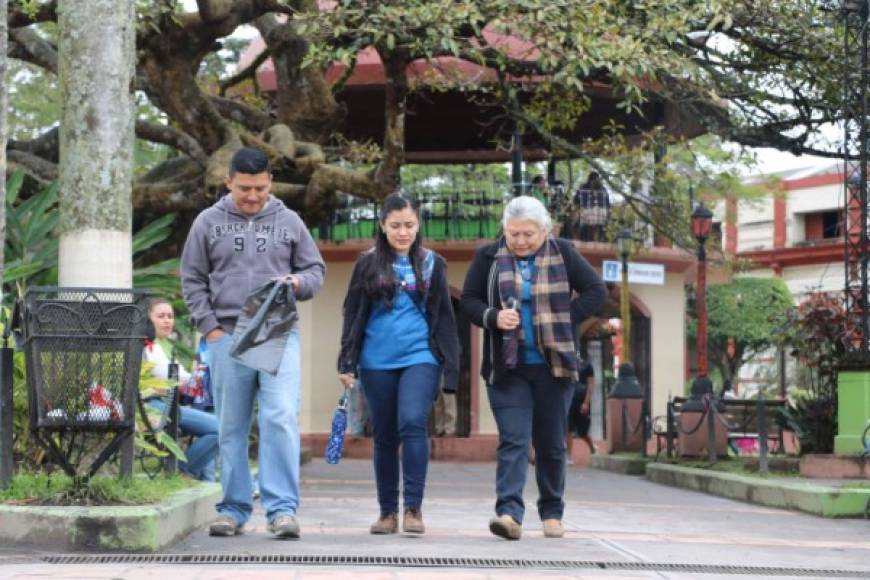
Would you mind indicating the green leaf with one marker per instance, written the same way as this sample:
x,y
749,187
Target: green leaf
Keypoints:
x,y
171,445
13,185
152,233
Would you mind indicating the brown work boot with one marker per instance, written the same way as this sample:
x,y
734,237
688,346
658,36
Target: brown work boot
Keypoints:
x,y
506,527
412,523
386,524
553,528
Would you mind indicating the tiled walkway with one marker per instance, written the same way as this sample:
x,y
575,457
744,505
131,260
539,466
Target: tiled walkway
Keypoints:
x,y
610,518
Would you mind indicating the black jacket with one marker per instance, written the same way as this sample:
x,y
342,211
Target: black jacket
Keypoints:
x,y
480,300
443,337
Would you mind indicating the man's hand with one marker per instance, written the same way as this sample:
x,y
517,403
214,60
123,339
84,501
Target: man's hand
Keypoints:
x,y
584,408
347,379
214,335
292,279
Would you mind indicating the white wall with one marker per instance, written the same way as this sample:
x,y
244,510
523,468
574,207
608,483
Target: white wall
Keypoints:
x,y
814,278
814,199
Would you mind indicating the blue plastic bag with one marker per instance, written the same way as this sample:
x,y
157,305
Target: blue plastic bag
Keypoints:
x,y
335,445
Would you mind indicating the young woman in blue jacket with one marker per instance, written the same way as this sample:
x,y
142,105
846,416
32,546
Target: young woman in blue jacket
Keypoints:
x,y
399,337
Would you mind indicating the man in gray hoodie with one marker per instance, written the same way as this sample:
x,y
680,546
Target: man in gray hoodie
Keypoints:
x,y
243,241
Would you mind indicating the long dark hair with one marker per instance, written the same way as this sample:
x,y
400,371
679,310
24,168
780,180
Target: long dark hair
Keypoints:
x,y
378,276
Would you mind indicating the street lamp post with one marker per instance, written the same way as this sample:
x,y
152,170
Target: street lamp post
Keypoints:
x,y
626,386
702,387
625,244
702,224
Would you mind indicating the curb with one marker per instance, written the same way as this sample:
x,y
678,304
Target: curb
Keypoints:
x,y
146,528
820,500
626,465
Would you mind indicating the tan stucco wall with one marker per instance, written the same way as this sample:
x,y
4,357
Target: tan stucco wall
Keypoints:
x,y
320,330
667,306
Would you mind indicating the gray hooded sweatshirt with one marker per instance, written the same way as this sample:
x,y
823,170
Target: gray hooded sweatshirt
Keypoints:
x,y
227,255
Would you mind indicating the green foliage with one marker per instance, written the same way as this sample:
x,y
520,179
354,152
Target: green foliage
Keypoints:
x,y
817,333
32,244
60,489
34,100
743,316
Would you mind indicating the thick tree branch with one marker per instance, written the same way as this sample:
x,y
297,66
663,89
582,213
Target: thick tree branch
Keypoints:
x,y
250,72
245,115
174,138
37,167
32,48
46,145
224,16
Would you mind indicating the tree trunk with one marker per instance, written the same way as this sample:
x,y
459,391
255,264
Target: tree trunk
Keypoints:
x,y
4,130
396,97
96,67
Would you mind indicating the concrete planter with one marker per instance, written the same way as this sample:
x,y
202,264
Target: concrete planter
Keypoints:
x,y
624,464
835,466
146,528
822,500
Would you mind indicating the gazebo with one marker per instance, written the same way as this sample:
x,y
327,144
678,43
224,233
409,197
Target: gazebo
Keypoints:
x,y
465,126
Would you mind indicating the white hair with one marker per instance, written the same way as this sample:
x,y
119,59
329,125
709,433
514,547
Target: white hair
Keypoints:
x,y
526,207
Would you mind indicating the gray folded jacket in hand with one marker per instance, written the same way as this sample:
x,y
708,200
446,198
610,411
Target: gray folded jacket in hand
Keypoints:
x,y
265,322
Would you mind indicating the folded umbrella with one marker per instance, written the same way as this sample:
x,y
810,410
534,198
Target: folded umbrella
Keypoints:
x,y
335,445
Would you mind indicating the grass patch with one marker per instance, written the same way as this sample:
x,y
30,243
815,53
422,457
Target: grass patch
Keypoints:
x,y
59,489
778,466
856,485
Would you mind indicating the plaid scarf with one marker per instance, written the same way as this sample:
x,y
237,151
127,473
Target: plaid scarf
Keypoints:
x,y
551,308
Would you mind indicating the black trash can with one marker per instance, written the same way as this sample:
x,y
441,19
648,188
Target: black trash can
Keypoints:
x,y
83,349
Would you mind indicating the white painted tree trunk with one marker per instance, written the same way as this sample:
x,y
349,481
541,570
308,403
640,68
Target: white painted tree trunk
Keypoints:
x,y
96,68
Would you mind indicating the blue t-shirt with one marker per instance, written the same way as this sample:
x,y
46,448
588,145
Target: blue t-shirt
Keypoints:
x,y
398,337
530,353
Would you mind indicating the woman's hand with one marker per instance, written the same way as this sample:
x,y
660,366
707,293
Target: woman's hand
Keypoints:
x,y
584,408
347,379
508,319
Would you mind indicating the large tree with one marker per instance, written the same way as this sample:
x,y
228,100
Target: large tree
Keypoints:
x,y
760,72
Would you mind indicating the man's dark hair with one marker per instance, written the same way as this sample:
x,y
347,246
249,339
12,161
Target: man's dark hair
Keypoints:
x,y
251,161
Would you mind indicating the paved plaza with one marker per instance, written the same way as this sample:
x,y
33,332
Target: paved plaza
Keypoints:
x,y
618,526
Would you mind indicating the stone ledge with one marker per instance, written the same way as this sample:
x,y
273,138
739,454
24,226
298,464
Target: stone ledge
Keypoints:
x,y
145,528
821,500
624,464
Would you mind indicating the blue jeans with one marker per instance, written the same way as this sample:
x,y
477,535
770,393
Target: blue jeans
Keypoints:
x,y
236,386
400,401
201,454
531,405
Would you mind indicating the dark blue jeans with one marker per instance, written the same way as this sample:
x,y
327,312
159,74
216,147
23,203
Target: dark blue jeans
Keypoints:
x,y
531,405
400,401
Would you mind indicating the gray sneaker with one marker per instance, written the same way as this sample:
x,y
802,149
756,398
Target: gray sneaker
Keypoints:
x,y
284,526
225,526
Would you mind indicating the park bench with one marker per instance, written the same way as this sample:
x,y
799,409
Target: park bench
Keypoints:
x,y
741,416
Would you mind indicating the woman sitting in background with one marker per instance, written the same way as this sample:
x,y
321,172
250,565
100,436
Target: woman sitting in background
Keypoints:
x,y
202,425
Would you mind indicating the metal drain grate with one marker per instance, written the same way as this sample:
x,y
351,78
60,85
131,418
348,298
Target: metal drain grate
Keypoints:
x,y
447,562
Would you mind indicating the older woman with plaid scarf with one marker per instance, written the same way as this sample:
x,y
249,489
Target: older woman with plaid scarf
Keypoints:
x,y
528,290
